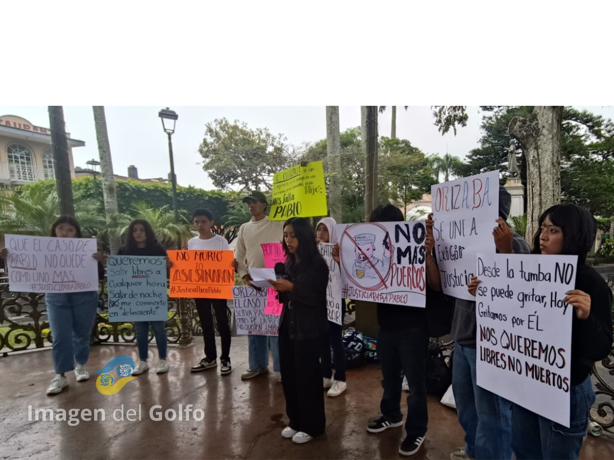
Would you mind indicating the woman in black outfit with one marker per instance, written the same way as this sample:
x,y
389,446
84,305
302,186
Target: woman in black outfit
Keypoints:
x,y
567,229
303,331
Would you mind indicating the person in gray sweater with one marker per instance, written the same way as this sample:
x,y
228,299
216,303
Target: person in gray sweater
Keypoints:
x,y
485,417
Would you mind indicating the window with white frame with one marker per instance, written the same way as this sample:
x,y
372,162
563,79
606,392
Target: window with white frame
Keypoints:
x,y
20,163
48,165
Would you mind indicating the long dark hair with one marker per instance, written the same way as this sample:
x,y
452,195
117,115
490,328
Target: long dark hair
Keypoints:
x,y
307,247
579,229
151,240
70,220
387,213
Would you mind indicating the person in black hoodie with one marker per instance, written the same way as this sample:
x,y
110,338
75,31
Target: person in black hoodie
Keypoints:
x,y
303,331
402,348
567,229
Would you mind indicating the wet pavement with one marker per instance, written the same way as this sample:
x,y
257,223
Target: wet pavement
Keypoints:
x,y
240,420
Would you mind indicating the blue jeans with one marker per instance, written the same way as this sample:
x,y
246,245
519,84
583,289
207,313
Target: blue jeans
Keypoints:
x,y
536,437
71,319
485,417
401,352
142,338
335,337
259,352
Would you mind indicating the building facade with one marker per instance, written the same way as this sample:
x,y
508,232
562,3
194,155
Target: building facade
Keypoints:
x,y
26,153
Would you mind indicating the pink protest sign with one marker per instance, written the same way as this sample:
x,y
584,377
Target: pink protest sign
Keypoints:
x,y
273,253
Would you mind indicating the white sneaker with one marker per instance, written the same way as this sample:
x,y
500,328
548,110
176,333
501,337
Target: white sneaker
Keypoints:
x,y
337,388
301,438
278,377
328,383
58,383
81,373
141,367
288,433
162,367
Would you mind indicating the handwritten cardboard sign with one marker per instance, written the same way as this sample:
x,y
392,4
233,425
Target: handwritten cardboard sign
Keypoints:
x,y
333,291
524,330
249,307
464,214
273,254
383,262
137,288
51,265
202,274
299,191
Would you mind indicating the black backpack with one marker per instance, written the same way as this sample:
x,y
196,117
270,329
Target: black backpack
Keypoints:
x,y
438,373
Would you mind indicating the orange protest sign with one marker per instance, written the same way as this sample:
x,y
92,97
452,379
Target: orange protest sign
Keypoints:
x,y
202,274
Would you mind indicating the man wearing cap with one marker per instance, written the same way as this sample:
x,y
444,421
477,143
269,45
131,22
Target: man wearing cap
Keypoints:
x,y
366,263
259,230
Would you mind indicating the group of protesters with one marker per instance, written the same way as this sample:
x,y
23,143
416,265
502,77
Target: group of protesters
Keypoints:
x,y
301,353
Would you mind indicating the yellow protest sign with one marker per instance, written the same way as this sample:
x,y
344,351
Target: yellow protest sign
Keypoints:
x,y
299,191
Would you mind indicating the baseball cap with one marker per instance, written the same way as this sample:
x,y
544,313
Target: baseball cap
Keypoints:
x,y
255,196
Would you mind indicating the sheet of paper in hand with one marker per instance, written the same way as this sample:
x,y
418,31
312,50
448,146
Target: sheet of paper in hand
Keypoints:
x,y
333,291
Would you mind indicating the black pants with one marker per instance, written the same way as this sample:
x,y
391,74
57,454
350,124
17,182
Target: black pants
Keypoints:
x,y
301,377
404,351
203,306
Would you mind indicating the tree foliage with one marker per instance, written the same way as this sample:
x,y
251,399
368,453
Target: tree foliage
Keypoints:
x,y
235,155
449,116
153,195
33,212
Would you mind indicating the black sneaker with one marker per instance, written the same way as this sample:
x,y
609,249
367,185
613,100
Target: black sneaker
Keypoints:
x,y
381,424
411,445
204,365
226,367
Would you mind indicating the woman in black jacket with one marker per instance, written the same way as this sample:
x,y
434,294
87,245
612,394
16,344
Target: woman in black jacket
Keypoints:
x,y
303,329
570,230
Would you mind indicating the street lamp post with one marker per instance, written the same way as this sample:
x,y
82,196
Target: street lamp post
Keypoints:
x,y
169,118
93,163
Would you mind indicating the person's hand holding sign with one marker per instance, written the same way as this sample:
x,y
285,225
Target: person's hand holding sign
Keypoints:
x,y
504,237
473,286
336,252
281,285
581,302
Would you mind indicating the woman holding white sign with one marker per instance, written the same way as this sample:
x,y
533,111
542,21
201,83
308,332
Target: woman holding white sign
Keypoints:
x,y
142,241
71,318
303,331
326,232
569,230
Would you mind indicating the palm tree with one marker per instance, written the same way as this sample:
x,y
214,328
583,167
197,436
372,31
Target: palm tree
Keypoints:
x,y
333,147
33,212
106,169
393,129
447,165
161,219
237,215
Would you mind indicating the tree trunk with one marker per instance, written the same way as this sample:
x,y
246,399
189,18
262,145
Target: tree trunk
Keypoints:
x,y
369,143
109,191
333,145
540,135
393,130
63,179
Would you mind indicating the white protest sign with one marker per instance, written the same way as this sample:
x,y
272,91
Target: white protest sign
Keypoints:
x,y
383,262
333,291
524,330
51,265
464,213
137,288
249,312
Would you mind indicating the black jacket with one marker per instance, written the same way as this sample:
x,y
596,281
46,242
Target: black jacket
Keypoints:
x,y
304,315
